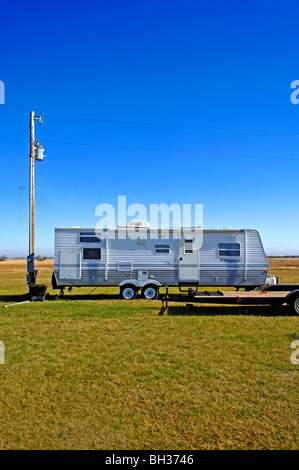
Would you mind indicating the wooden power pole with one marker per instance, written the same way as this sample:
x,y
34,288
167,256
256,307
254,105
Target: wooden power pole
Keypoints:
x,y
31,185
31,272
36,292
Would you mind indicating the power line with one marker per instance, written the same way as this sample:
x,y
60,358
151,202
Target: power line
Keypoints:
x,y
234,129
121,147
19,138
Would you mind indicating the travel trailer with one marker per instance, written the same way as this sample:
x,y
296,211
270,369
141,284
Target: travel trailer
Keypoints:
x,y
156,258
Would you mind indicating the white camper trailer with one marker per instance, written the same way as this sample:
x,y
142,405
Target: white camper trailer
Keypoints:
x,y
85,257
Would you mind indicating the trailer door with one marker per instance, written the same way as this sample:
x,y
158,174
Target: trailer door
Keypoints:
x,y
70,264
188,261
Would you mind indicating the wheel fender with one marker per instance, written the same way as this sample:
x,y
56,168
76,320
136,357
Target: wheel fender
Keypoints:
x,y
139,284
151,283
292,296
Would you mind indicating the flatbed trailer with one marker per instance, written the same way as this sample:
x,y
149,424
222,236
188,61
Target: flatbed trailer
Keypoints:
x,y
271,296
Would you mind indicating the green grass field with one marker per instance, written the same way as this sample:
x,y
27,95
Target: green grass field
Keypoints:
x,y
95,372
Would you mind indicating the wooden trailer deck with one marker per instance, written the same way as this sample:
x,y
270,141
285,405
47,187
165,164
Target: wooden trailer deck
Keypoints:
x,y
262,297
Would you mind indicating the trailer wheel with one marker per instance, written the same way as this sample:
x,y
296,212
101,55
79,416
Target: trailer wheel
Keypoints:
x,y
128,292
294,305
150,292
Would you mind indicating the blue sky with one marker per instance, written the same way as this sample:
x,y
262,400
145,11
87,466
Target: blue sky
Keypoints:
x,y
213,65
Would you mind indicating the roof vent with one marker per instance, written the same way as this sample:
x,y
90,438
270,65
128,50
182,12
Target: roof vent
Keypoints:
x,y
139,223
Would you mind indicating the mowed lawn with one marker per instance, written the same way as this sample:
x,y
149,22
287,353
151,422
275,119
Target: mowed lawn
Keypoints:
x,y
95,372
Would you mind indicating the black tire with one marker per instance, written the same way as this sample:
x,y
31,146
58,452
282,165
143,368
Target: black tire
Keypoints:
x,y
150,292
128,292
294,304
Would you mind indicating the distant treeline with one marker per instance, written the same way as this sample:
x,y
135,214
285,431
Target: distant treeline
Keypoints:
x,y
38,257
283,256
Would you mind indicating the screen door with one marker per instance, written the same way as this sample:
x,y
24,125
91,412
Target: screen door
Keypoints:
x,y
70,265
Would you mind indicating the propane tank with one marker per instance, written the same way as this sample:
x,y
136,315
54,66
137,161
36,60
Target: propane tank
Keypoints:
x,y
271,280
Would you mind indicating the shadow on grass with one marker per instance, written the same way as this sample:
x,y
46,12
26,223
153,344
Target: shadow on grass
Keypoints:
x,y
213,310
14,298
178,310
83,297
51,297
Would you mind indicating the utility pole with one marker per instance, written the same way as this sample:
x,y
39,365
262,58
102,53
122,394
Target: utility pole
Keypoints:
x,y
31,185
36,292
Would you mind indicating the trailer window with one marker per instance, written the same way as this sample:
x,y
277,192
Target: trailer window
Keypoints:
x,y
188,248
89,237
162,249
92,253
229,249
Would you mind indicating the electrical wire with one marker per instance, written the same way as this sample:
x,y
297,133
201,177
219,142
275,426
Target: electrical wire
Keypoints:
x,y
194,152
235,129
18,139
